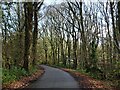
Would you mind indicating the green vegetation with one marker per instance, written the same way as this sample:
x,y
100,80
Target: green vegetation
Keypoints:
x,y
15,73
72,35
18,44
0,72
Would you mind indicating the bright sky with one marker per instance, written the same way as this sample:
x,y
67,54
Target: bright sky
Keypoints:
x,y
48,2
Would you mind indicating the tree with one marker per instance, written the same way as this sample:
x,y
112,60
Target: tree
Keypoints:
x,y
37,6
28,10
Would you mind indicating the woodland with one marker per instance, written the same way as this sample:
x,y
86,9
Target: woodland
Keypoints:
x,y
84,36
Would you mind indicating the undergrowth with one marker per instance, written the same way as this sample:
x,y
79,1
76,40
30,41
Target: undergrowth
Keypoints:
x,y
15,73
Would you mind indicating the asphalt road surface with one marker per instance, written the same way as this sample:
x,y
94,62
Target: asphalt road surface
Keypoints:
x,y
54,78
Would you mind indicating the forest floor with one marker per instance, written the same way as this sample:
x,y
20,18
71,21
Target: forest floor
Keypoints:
x,y
86,81
24,81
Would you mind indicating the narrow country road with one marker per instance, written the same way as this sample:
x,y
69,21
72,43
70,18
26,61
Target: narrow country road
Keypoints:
x,y
54,78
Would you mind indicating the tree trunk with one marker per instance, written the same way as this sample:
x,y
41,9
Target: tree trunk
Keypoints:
x,y
58,55
46,56
35,34
20,38
118,35
28,29
119,16
62,53
74,53
114,30
84,55
69,48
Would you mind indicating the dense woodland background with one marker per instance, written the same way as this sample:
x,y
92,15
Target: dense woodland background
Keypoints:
x,y
78,35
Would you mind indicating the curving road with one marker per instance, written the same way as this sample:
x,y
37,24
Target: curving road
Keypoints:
x,y
54,78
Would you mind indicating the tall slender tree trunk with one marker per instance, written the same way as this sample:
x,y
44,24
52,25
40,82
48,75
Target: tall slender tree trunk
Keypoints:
x,y
69,48
119,15
110,43
28,30
62,52
75,53
46,56
58,56
35,34
118,6
115,42
7,64
84,55
20,36
118,35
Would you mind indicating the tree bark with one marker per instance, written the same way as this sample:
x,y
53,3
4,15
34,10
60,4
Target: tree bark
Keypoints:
x,y
28,29
84,55
114,31
35,34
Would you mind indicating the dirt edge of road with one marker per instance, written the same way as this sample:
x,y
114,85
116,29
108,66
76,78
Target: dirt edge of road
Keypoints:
x,y
87,81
